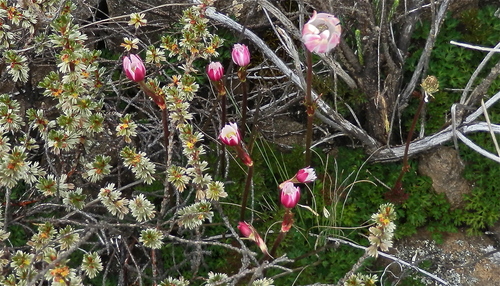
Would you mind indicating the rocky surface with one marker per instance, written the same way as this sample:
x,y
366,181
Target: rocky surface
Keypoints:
x,y
458,260
444,166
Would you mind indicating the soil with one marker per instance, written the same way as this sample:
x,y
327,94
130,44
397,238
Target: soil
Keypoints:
x,y
459,260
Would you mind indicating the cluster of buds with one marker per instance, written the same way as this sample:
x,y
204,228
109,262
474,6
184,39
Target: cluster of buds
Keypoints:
x,y
215,71
230,136
382,232
289,197
321,33
290,194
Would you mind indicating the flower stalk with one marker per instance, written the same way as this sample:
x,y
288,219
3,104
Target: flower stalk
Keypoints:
x,y
310,108
320,35
215,72
136,71
246,191
396,194
289,198
241,57
244,101
231,136
158,99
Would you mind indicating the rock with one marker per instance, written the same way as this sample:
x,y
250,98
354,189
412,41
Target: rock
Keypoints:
x,y
494,233
85,9
459,259
284,132
444,166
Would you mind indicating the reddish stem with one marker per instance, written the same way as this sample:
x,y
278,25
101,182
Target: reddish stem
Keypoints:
x,y
244,199
309,108
396,194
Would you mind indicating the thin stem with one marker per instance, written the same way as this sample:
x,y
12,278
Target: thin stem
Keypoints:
x,y
309,108
154,266
166,136
397,194
277,242
223,100
410,134
286,225
166,133
7,212
244,103
244,199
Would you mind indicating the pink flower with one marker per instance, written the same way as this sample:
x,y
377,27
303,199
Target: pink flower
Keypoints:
x,y
251,233
134,68
215,71
306,175
321,33
240,55
230,135
290,195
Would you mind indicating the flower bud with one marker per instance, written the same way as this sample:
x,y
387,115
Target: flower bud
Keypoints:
x,y
134,68
244,156
230,135
215,71
430,84
240,55
289,195
321,33
306,175
251,233
245,229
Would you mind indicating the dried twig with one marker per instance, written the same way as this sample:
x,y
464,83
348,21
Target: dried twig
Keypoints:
x,y
391,257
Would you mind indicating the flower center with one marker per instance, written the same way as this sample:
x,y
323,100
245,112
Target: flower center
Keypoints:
x,y
322,28
133,67
230,134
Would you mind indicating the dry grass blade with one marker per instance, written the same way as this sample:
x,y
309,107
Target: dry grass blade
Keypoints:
x,y
487,118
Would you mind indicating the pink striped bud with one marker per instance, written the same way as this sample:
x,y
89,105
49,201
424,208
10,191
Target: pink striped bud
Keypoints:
x,y
134,68
240,55
306,175
215,71
289,195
